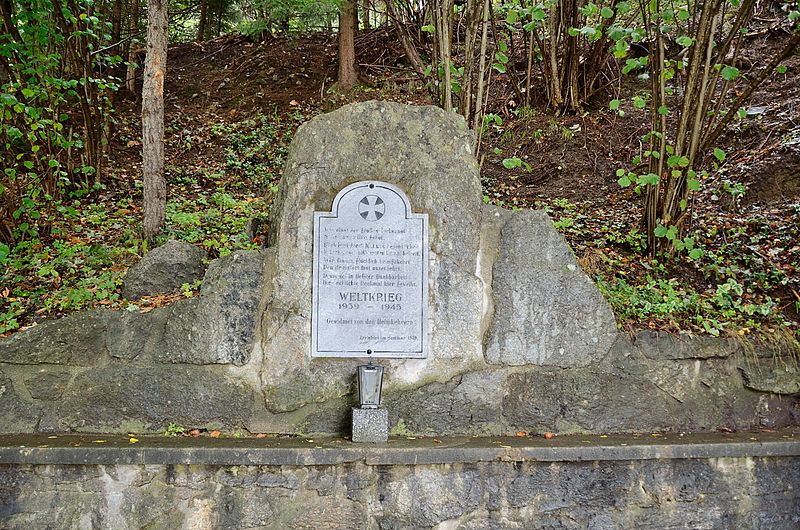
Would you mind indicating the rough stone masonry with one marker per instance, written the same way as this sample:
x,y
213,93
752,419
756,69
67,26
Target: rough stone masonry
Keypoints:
x,y
520,338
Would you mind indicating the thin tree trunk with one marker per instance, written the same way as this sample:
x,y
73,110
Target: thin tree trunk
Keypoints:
x,y
348,77
155,187
133,27
481,75
203,22
116,26
365,10
408,47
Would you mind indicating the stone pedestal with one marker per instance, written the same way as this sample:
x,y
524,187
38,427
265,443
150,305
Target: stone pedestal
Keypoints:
x,y
370,425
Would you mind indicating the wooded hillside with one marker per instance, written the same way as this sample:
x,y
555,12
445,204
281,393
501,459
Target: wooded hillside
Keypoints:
x,y
660,136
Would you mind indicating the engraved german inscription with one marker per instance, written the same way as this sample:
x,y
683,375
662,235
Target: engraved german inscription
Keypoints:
x,y
370,291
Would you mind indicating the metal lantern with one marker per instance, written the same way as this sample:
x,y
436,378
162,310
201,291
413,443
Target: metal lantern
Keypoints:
x,y
370,379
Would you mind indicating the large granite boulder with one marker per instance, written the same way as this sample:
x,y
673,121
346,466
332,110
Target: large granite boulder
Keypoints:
x,y
547,311
427,153
164,269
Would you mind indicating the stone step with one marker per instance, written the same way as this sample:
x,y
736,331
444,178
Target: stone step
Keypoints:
x,y
70,449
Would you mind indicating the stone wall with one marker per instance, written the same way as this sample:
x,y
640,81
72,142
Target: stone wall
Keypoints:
x,y
521,340
716,493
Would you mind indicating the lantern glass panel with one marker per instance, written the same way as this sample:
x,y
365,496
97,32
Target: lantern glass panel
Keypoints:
x,y
370,379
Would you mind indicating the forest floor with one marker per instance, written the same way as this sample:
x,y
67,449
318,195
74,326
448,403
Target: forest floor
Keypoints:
x,y
231,109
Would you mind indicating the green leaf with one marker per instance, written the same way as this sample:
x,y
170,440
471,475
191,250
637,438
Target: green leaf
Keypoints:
x,y
4,251
719,154
663,110
503,46
650,179
511,163
729,73
660,231
28,93
672,233
695,253
606,12
499,67
502,57
538,14
693,184
685,41
512,17
613,104
639,102
624,181
428,28
781,69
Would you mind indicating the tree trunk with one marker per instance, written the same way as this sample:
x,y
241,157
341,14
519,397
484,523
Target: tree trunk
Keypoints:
x,y
408,47
133,27
348,77
116,26
201,24
155,187
365,9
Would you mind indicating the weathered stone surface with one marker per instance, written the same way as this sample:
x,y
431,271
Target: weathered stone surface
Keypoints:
x,y
468,404
116,398
705,393
16,413
779,375
580,400
48,383
77,340
662,346
547,311
131,333
219,326
164,269
426,153
757,493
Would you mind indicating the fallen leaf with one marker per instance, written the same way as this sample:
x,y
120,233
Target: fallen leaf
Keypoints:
x,y
98,441
548,435
133,440
522,433
293,103
261,435
214,434
194,433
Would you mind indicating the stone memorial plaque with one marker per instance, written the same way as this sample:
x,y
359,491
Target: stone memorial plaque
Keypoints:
x,y
370,290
